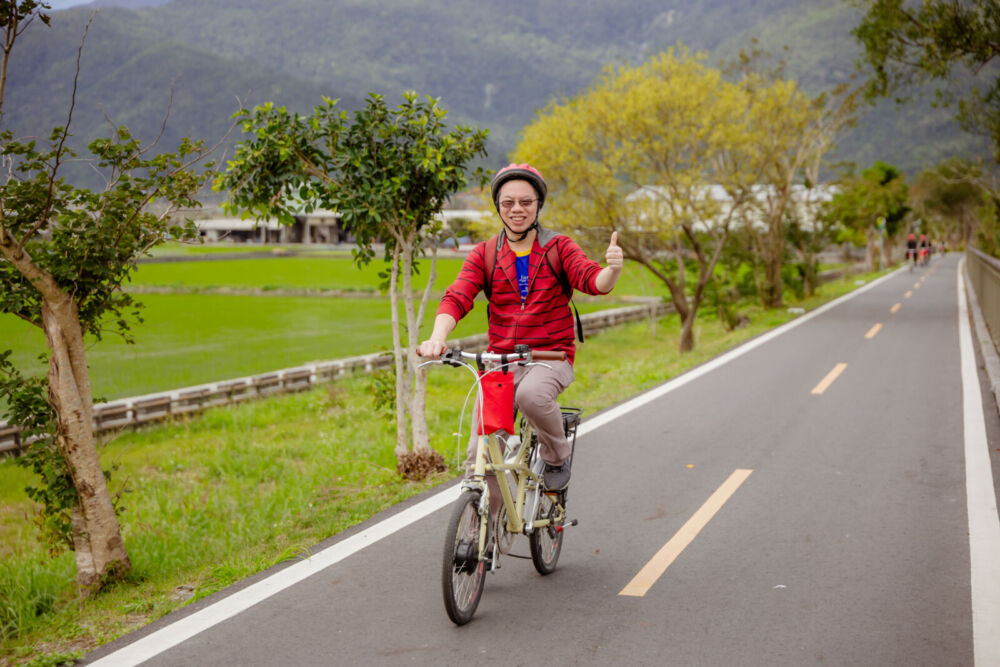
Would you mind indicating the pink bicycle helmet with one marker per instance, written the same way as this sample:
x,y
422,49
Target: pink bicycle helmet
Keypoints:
x,y
522,172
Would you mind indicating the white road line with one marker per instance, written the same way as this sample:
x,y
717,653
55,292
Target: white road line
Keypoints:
x,y
984,523
695,373
171,635
189,626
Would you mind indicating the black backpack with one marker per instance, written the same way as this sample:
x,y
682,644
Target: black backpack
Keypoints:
x,y
493,249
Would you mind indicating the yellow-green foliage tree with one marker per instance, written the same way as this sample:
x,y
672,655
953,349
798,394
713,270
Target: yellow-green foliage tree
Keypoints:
x,y
875,205
954,200
664,154
793,132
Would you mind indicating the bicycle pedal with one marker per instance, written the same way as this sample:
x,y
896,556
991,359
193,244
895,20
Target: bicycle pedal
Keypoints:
x,y
567,524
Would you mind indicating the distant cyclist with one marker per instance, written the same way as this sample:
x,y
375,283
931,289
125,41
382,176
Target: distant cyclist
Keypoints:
x,y
911,250
523,270
924,249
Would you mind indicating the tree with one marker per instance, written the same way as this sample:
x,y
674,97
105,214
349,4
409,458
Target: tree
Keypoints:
x,y
65,253
658,153
873,204
388,172
808,232
930,40
794,133
953,199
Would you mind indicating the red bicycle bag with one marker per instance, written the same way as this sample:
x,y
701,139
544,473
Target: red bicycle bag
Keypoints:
x,y
497,401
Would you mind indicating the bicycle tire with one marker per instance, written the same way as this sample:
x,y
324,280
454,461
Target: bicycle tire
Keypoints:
x,y
546,542
462,573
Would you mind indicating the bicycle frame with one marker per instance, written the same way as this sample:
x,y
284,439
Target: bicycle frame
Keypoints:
x,y
517,471
522,470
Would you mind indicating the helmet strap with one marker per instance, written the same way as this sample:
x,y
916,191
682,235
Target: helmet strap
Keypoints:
x,y
512,235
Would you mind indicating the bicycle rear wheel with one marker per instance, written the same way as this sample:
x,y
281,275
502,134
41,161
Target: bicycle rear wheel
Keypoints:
x,y
546,542
462,573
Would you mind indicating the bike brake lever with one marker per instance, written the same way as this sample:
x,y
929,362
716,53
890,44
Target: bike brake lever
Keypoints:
x,y
451,357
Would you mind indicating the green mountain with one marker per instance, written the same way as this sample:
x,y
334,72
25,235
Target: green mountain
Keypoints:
x,y
492,64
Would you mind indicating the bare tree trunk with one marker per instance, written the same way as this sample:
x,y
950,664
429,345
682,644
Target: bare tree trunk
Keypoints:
x,y
417,376
773,284
774,258
810,274
97,541
687,331
871,254
419,422
402,435
686,313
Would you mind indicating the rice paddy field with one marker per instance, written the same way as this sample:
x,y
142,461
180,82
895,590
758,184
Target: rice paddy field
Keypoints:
x,y
219,319
321,269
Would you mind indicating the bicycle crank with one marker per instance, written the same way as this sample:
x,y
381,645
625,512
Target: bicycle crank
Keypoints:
x,y
567,524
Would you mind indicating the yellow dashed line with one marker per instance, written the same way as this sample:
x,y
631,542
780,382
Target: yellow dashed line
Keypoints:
x,y
873,331
825,383
669,552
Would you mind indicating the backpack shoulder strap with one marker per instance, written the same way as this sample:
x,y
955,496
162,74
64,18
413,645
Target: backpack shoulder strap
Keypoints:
x,y
556,267
490,253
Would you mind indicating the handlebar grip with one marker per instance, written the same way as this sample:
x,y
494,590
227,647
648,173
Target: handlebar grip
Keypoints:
x,y
548,355
420,354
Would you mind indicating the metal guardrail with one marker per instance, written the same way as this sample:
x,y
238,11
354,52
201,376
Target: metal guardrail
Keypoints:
x,y
139,410
984,272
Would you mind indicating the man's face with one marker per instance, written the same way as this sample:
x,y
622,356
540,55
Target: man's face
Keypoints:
x,y
518,204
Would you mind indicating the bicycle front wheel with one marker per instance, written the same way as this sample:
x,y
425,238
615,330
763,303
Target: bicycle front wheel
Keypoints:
x,y
546,542
462,573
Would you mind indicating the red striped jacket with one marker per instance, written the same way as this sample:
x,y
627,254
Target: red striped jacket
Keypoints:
x,y
544,320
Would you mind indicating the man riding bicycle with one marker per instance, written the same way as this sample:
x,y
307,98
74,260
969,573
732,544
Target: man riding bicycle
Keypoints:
x,y
523,273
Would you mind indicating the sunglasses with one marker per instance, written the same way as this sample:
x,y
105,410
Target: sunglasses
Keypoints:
x,y
508,204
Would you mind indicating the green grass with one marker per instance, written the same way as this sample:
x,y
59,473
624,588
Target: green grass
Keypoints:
x,y
297,272
190,339
327,271
174,249
220,496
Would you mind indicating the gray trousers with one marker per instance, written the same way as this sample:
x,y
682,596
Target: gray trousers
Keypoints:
x,y
536,389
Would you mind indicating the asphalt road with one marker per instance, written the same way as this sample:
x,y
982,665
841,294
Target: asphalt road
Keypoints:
x,y
798,521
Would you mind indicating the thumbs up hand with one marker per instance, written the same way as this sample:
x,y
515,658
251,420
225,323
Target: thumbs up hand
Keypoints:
x,y
614,256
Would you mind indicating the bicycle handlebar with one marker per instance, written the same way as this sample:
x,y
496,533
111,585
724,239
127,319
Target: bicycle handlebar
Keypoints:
x,y
521,354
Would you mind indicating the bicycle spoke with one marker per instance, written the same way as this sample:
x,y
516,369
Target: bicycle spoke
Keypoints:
x,y
463,573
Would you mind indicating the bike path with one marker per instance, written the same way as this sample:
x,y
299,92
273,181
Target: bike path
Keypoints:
x,y
847,543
